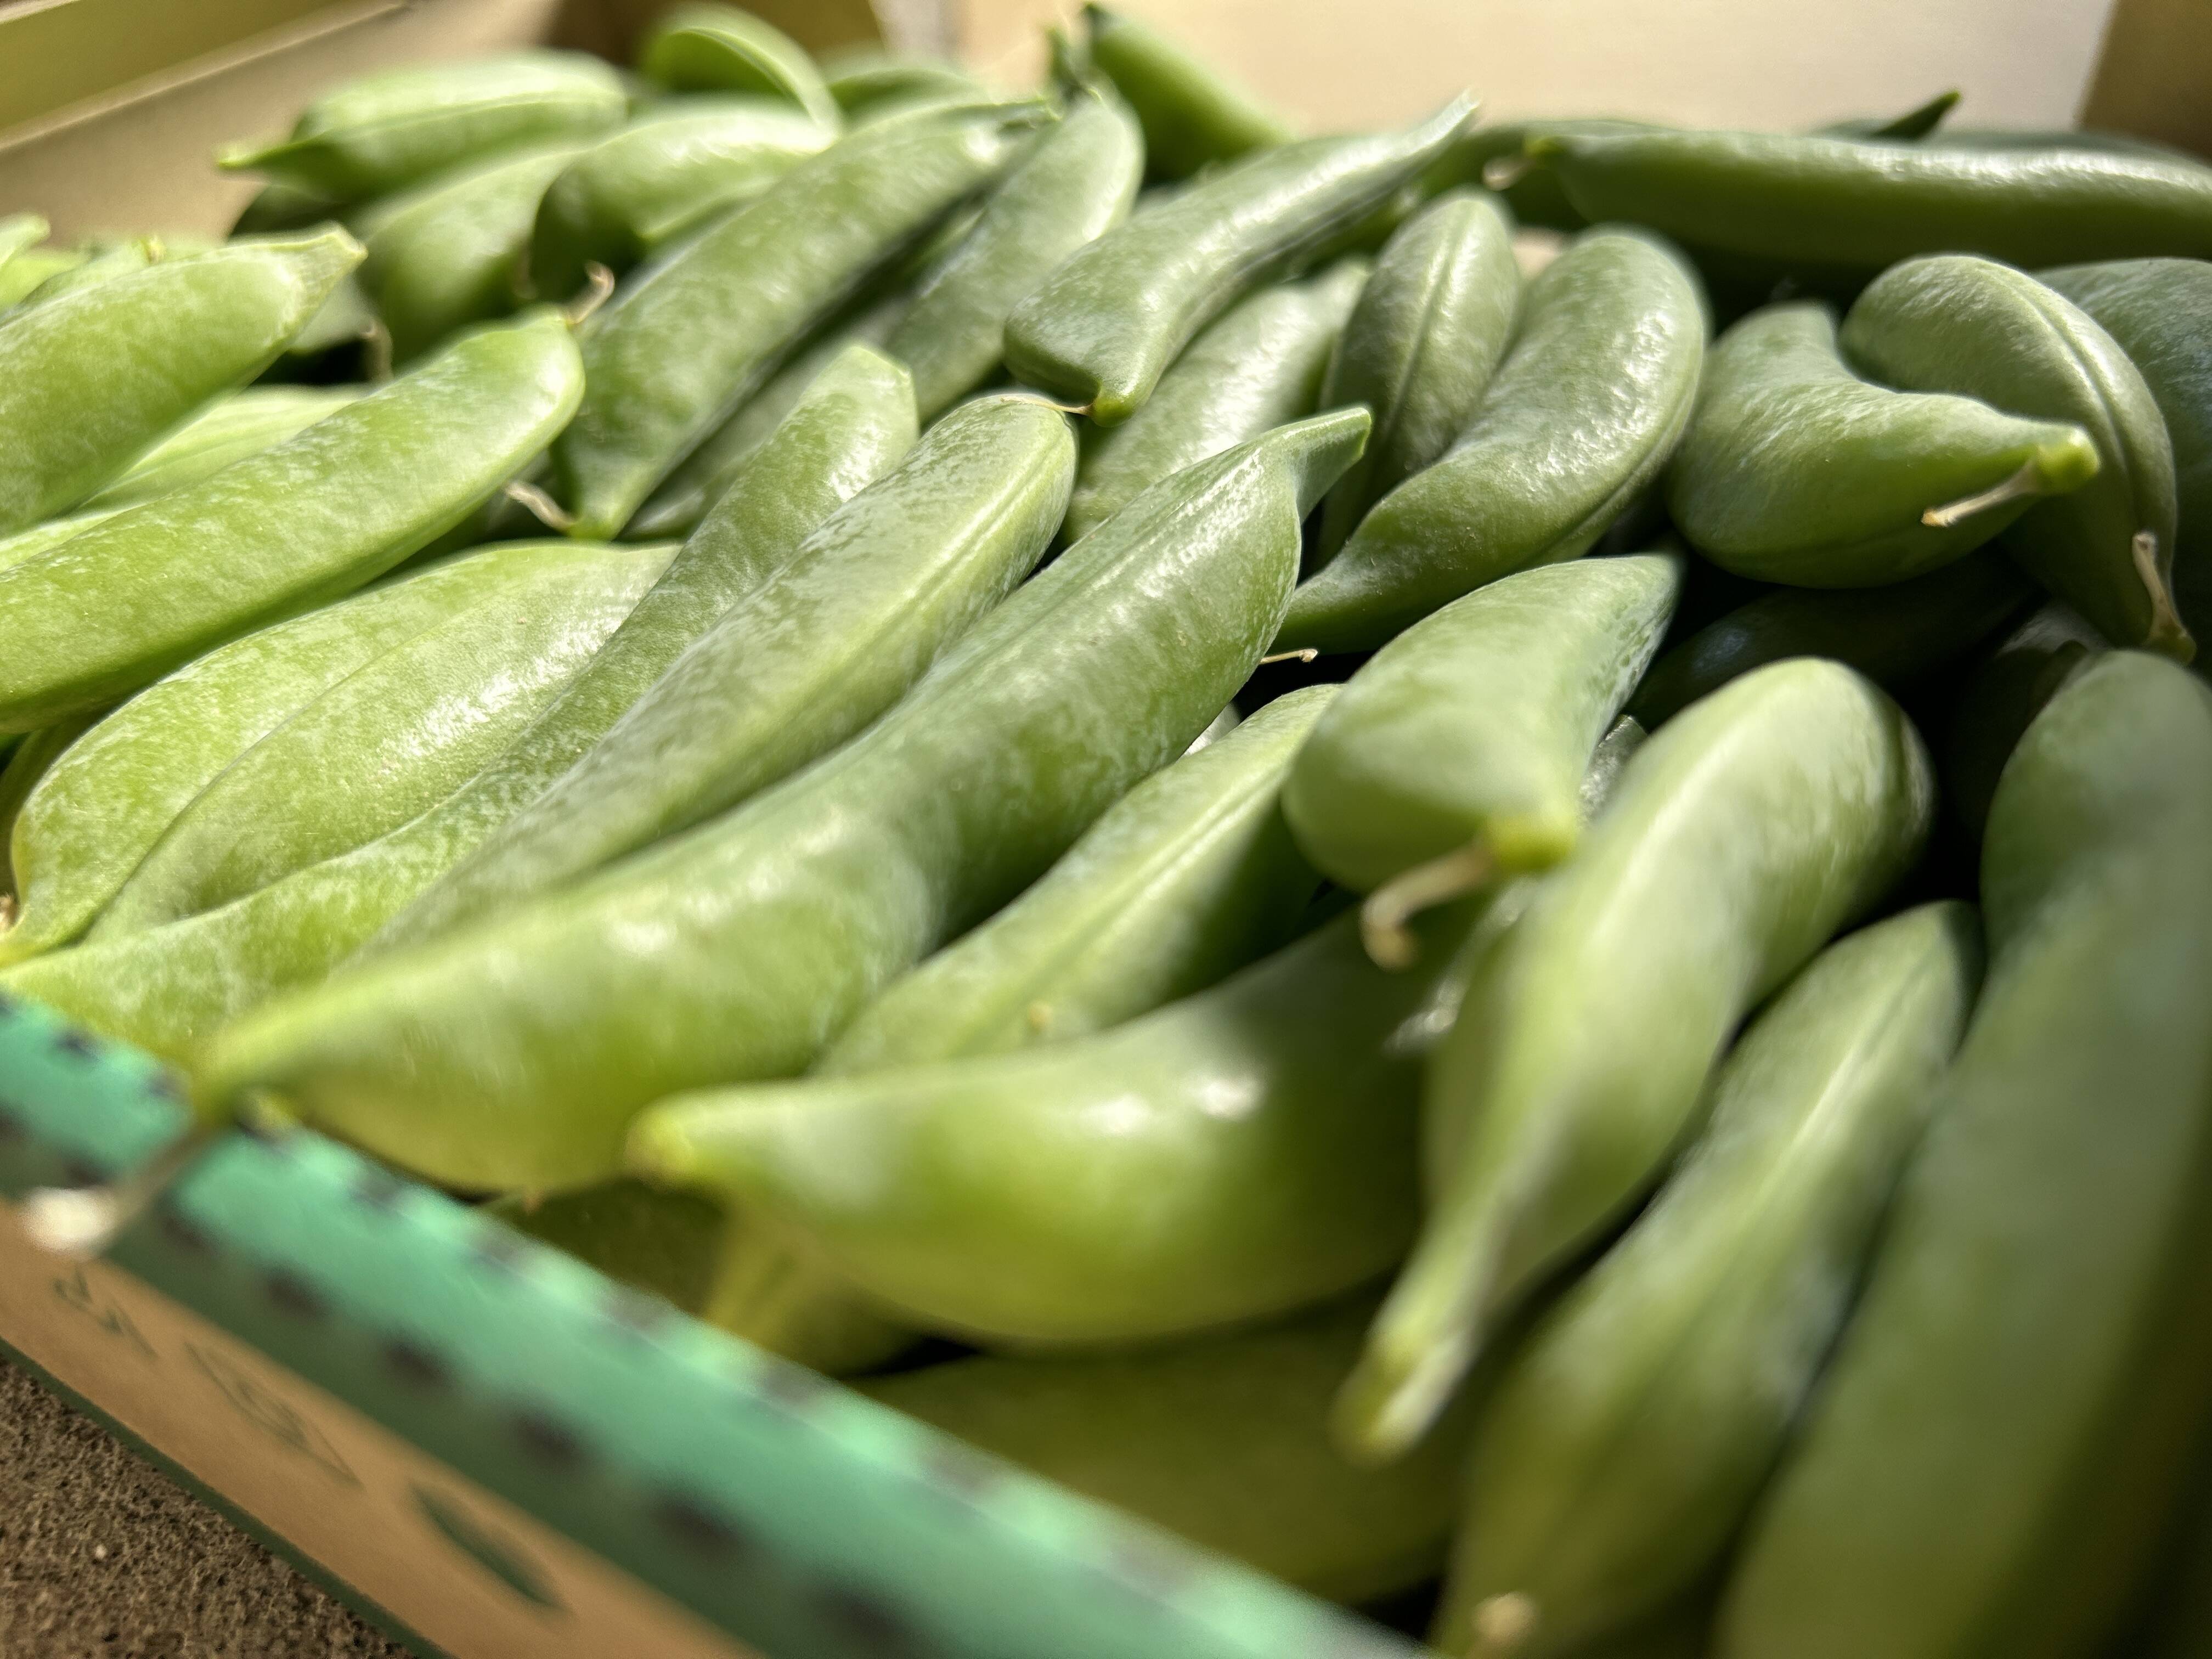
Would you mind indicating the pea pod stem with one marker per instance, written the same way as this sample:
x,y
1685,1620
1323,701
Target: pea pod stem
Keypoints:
x,y
2027,482
1390,944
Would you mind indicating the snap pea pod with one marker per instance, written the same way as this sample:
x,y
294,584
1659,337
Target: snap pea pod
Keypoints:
x,y
772,926
386,131
19,231
666,172
1743,836
278,206
1429,331
100,265
302,523
2042,138
1578,419
2178,1624
344,320
1467,737
1630,1435
806,659
1916,123
88,382
22,274
2160,310
1193,116
713,48
863,79
27,544
1104,327
231,428
26,766
1223,1442
702,330
2002,696
1933,1504
1074,186
1795,470
1192,875
1893,635
1949,323
1259,365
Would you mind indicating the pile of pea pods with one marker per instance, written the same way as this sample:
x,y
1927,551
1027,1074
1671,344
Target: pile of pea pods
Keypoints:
x,y
1484,849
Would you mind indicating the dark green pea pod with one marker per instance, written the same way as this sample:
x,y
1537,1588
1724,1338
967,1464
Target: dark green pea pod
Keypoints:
x,y
1619,1453
88,382
1579,418
229,429
1742,837
386,131
2160,311
1073,186
864,79
2010,1418
803,661
1429,331
712,48
700,329
671,170
1106,325
1192,875
1795,470
1260,366
277,206
1950,323
1193,116
2002,698
1916,123
1223,1442
771,926
170,989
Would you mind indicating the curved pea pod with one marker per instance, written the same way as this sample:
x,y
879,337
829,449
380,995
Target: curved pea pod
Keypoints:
x,y
1893,635
1795,470
1075,185
2160,311
383,133
712,48
1742,837
88,382
2002,696
1106,325
1429,331
864,79
771,926
101,264
668,172
23,767
244,423
1260,366
1193,116
1950,323
1189,876
1630,1435
1223,1442
1579,418
300,524
1467,737
700,331
1932,1503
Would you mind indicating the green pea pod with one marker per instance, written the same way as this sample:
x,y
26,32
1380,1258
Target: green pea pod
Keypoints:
x,y
1467,737
1427,334
771,926
712,48
866,78
27,544
279,532
1258,367
1916,123
636,191
1223,1442
660,1241
170,989
1495,157
386,131
1106,325
1193,116
1743,836
277,206
1935,1503
21,231
344,321
88,382
2001,699
229,429
1579,418
1950,323
100,265
1627,1441
1794,469
27,766
1076,185
2061,138
2159,310
24,274
699,333
1190,876
802,662
2177,1623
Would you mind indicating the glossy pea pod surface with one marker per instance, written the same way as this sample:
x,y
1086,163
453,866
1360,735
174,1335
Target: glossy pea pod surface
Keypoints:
x,y
1741,837
1581,415
772,926
2053,1227
715,48
1193,117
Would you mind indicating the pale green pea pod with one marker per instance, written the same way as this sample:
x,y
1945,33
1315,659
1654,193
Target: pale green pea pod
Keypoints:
x,y
713,48
866,79
19,232
1189,876
101,264
23,274
27,544
1750,829
23,766
244,423
346,319
1617,1454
